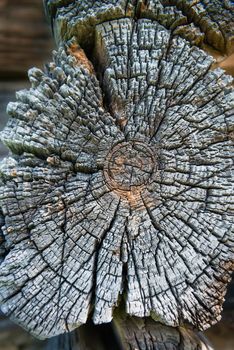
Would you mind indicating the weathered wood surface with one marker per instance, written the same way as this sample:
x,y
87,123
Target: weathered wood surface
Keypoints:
x,y
7,93
120,184
200,21
130,334
146,334
25,38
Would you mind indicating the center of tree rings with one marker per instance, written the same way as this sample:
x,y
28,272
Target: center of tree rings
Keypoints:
x,y
129,165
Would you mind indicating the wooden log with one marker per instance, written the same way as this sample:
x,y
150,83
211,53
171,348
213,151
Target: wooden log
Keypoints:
x,y
130,333
201,21
118,189
24,37
146,334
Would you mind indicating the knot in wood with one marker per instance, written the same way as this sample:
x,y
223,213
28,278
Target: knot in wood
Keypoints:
x,y
129,166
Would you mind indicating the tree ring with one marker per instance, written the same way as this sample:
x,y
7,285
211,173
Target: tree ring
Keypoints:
x,y
129,165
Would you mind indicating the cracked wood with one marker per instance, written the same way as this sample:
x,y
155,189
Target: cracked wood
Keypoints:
x,y
200,21
119,183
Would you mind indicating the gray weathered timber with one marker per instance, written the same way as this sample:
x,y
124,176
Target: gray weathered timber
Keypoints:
x,y
81,208
7,93
128,333
119,185
200,21
146,334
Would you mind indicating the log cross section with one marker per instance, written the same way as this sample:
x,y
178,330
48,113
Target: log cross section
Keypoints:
x,y
118,187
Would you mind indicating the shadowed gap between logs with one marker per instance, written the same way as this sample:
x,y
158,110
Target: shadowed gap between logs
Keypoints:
x,y
87,337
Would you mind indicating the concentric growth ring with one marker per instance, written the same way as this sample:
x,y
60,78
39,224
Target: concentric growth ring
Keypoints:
x,y
129,165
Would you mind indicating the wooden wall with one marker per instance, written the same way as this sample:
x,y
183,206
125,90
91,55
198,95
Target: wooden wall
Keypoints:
x,y
25,38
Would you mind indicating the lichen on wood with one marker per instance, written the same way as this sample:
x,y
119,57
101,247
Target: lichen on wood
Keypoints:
x,y
119,185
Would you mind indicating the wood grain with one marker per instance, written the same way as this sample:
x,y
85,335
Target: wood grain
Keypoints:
x,y
25,37
201,22
7,94
119,186
161,231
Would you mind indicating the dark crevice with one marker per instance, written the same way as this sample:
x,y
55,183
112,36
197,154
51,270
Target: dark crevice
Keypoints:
x,y
229,303
88,337
3,250
124,260
99,68
98,246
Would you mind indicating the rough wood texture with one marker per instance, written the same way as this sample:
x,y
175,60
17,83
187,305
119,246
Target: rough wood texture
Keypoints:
x,y
130,334
24,37
200,21
119,184
7,93
146,334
